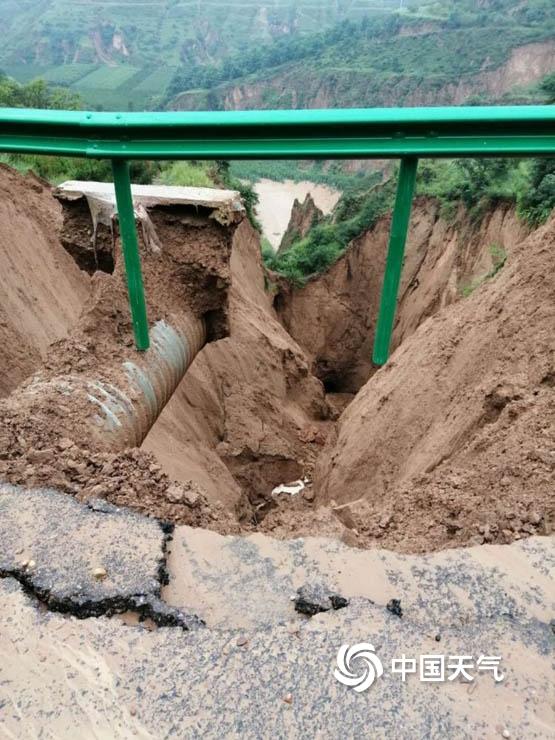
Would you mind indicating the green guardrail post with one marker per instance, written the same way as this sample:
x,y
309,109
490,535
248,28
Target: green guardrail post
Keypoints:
x,y
394,263
131,256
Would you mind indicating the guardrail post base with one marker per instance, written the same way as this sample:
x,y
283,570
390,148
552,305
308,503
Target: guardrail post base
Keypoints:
x,y
131,256
395,256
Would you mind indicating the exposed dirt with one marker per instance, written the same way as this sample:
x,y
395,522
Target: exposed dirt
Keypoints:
x,y
333,316
248,415
91,251
453,440
450,444
42,290
178,279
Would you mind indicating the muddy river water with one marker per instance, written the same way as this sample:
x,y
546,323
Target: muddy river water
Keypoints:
x,y
276,200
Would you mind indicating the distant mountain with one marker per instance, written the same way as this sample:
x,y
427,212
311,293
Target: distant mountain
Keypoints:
x,y
232,54
430,54
123,53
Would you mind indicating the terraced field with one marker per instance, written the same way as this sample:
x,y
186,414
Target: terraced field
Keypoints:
x,y
123,52
102,87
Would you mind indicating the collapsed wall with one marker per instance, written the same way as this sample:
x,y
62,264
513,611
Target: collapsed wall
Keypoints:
x,y
334,315
42,289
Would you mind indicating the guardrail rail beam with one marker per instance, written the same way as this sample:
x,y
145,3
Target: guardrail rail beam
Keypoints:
x,y
379,133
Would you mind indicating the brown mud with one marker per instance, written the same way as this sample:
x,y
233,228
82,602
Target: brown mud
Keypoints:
x,y
42,290
450,444
333,316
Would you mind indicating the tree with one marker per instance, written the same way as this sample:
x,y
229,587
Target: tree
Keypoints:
x,y
36,94
548,88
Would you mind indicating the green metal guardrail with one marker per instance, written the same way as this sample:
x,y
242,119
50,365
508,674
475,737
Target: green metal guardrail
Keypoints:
x,y
403,133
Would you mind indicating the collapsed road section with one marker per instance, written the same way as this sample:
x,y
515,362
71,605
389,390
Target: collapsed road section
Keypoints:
x,y
243,633
113,403
234,429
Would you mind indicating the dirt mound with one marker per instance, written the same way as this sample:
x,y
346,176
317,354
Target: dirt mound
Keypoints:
x,y
304,216
333,316
248,415
42,291
132,478
452,441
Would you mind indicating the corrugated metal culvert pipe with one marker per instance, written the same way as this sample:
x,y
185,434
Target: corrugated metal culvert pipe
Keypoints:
x,y
127,411
117,408
110,399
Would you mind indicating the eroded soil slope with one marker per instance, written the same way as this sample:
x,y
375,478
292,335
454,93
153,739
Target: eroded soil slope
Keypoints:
x,y
42,289
453,440
450,444
248,415
334,315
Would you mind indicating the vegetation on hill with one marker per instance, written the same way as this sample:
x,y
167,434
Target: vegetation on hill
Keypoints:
x,y
374,61
478,184
36,94
323,172
475,183
125,54
122,54
357,211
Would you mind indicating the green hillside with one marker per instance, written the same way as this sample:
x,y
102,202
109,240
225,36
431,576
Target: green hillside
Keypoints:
x,y
144,54
123,53
440,53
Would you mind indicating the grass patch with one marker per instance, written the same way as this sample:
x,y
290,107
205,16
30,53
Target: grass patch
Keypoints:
x,y
498,258
187,174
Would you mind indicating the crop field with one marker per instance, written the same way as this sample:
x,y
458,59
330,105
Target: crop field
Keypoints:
x,y
156,82
107,78
68,74
123,87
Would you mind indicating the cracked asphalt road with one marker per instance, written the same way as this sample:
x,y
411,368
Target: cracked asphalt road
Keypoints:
x,y
85,560
259,669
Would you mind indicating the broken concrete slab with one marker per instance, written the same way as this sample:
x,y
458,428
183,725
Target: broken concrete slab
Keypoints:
x,y
226,205
86,560
251,582
99,678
